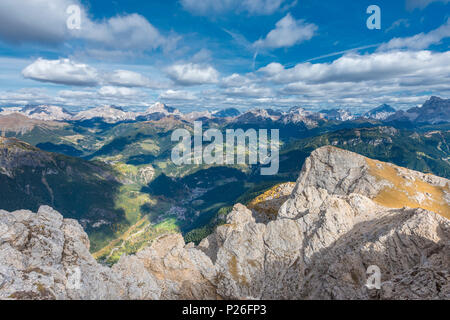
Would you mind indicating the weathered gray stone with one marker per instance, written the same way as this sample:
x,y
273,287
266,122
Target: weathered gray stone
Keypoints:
x,y
318,246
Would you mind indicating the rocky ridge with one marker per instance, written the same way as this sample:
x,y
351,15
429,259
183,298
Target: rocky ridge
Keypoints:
x,y
335,224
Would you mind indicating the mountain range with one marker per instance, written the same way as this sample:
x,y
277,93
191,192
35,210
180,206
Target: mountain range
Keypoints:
x,y
433,111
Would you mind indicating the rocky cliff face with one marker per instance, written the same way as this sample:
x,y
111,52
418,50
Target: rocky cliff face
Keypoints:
x,y
340,219
44,256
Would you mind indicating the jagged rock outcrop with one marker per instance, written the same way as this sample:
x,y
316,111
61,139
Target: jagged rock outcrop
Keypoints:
x,y
334,226
43,256
340,219
265,207
181,271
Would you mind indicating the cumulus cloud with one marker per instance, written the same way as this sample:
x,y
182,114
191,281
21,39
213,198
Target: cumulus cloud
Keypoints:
x,y
62,71
43,21
397,77
421,4
255,7
124,32
193,74
34,20
287,33
419,41
68,72
356,67
353,80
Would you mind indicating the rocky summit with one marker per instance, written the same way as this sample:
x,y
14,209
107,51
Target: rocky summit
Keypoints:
x,y
344,214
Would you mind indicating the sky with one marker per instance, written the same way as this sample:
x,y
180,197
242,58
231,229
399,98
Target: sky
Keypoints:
x,y
213,54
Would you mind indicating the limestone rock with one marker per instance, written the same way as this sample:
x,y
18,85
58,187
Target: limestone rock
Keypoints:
x,y
43,256
345,213
181,272
332,228
265,207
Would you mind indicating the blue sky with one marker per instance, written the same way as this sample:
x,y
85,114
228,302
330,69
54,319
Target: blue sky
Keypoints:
x,y
212,54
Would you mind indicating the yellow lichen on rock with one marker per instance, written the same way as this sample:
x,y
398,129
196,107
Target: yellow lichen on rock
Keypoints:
x,y
268,203
408,192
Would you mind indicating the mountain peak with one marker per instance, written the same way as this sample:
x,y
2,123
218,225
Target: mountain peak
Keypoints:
x,y
46,112
380,113
385,106
434,110
435,99
228,112
342,172
437,102
158,105
161,108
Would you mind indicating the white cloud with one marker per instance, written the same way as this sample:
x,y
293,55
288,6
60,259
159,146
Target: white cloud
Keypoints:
x,y
193,74
421,4
419,41
213,7
68,72
355,68
399,78
62,71
34,20
354,80
177,95
43,21
125,78
287,33
124,32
